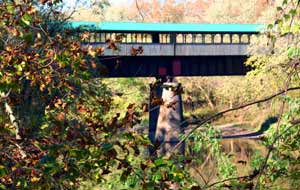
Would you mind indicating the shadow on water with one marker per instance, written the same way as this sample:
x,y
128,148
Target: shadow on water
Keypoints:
x,y
264,127
240,149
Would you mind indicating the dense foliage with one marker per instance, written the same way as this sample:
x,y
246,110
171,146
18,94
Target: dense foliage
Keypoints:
x,y
53,130
60,127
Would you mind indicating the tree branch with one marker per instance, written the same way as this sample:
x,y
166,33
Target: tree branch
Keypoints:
x,y
229,179
9,111
139,10
295,122
201,122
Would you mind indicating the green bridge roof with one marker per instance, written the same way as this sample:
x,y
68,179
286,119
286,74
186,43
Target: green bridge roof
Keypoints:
x,y
166,27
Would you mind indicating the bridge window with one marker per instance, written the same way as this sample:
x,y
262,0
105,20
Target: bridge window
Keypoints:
x,y
217,38
92,37
88,37
139,38
235,38
102,37
122,37
98,37
113,36
134,39
148,38
143,38
189,38
179,38
198,38
253,38
128,38
226,38
245,38
108,36
208,39
164,38
119,37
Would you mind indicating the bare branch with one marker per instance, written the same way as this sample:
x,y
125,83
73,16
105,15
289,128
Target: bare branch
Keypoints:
x,y
139,10
229,179
201,122
295,122
9,111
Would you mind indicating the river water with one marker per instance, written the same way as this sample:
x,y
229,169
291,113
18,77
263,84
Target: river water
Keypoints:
x,y
240,152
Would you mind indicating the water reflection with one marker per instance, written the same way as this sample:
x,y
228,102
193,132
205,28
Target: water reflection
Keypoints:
x,y
240,152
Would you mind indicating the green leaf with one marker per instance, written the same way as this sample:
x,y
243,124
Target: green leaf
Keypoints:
x,y
2,171
86,75
2,187
10,8
286,16
28,38
278,21
106,147
285,30
295,28
270,26
279,8
26,19
284,2
156,177
159,162
293,12
293,52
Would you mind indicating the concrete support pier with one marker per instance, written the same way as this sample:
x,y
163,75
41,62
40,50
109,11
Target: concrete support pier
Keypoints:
x,y
165,117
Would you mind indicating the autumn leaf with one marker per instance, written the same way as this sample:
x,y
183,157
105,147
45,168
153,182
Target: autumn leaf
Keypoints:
x,y
112,45
84,36
93,64
157,101
31,10
14,31
35,179
91,51
60,116
82,109
42,87
100,50
136,51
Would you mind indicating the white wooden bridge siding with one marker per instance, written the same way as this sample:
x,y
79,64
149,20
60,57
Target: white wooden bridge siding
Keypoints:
x,y
211,49
180,49
148,49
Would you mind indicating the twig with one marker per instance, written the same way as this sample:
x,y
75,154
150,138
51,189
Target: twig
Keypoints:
x,y
23,154
229,179
295,122
201,176
10,113
139,10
